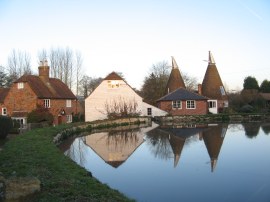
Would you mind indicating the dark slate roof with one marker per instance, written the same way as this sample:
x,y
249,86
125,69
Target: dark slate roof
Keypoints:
x,y
53,89
3,94
182,94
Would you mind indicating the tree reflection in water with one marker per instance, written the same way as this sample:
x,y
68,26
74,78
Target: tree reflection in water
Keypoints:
x,y
251,130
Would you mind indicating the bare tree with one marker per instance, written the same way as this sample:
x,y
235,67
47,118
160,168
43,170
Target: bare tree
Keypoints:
x,y
78,65
190,81
88,85
19,63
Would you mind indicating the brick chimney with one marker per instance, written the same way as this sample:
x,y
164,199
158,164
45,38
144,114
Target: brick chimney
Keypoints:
x,y
44,71
200,89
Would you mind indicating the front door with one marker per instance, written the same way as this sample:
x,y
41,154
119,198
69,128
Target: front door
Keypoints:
x,y
59,120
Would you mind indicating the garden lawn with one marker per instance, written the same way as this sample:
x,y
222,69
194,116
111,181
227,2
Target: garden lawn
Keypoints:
x,y
34,154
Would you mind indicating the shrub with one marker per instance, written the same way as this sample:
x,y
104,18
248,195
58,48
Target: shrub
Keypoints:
x,y
40,115
5,125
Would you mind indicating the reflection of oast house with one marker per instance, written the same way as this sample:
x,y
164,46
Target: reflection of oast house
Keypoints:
x,y
211,94
30,91
213,139
114,90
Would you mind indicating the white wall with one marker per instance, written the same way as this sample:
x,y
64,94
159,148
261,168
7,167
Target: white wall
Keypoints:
x,y
95,103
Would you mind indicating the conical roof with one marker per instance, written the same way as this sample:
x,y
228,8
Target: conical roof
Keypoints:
x,y
175,80
213,139
113,76
212,86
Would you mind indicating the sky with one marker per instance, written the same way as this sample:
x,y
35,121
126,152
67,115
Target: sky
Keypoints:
x,y
129,36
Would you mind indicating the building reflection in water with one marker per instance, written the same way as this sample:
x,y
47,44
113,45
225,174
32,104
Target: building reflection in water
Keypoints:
x,y
168,142
117,145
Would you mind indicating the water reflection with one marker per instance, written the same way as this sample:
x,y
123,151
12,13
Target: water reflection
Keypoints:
x,y
116,146
252,130
167,142
155,163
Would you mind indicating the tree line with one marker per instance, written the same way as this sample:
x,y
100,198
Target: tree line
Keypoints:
x,y
65,64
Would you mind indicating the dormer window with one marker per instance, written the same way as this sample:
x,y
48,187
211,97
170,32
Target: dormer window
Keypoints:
x,y
20,85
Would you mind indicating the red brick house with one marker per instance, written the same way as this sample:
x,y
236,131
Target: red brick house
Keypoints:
x,y
183,102
3,94
30,92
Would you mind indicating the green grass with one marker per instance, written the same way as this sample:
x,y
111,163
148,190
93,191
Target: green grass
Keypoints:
x,y
34,154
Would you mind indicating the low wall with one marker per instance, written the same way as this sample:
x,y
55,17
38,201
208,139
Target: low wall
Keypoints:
x,y
103,124
211,118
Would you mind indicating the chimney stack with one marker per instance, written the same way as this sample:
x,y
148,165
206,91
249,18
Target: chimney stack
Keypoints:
x,y
200,89
44,70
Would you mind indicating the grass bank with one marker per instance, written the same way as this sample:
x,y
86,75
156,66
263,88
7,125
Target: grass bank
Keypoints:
x,y
35,154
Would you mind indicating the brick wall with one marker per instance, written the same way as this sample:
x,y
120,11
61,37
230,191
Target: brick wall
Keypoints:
x,y
20,99
26,100
201,108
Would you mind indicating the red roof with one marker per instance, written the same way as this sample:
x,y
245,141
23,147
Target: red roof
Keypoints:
x,y
113,76
53,89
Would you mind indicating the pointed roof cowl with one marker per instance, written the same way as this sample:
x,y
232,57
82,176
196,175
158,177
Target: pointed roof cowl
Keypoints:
x,y
211,58
113,76
175,80
212,86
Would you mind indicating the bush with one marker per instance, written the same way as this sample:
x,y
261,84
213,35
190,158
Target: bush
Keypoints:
x,y
247,109
40,115
5,125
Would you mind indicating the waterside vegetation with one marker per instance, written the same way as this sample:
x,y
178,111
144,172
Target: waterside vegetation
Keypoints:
x,y
34,154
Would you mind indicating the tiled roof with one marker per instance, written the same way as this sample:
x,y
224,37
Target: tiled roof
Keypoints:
x,y
53,89
175,80
113,76
3,94
211,85
182,94
265,96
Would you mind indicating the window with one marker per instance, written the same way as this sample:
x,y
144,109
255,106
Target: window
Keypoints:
x,y
176,104
20,85
47,103
4,111
212,104
222,90
191,104
149,111
68,103
69,118
113,84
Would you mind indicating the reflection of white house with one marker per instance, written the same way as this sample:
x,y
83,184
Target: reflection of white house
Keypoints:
x,y
113,91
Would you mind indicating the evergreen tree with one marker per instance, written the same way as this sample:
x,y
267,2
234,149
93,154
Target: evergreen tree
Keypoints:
x,y
250,83
265,86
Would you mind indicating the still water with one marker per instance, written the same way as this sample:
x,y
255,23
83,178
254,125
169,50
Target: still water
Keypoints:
x,y
207,163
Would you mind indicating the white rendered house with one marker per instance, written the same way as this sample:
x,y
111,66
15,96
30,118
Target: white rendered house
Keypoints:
x,y
112,91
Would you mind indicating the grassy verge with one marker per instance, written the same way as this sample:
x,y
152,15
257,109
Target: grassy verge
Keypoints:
x,y
34,154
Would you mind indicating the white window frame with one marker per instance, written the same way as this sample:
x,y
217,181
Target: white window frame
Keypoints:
x,y
47,103
176,104
4,111
190,104
212,104
68,103
20,85
69,118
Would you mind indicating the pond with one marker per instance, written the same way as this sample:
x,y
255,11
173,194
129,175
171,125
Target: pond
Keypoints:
x,y
194,163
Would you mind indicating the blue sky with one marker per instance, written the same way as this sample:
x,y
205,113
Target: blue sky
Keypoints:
x,y
130,36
